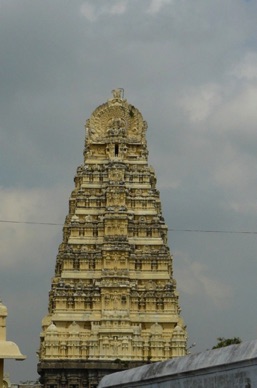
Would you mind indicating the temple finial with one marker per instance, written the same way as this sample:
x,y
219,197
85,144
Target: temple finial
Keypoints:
x,y
118,93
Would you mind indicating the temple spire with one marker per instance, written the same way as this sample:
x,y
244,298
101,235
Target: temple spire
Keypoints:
x,y
113,303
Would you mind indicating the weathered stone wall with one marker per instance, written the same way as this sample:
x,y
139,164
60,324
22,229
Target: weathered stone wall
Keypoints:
x,y
233,366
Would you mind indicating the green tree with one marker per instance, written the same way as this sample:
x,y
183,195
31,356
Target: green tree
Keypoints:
x,y
222,342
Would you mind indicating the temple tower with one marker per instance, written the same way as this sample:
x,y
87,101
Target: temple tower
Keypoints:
x,y
113,303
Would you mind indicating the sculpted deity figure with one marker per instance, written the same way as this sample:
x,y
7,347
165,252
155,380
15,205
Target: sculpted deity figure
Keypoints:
x,y
116,127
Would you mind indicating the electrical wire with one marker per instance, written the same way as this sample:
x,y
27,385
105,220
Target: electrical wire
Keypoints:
x,y
170,230
214,231
29,222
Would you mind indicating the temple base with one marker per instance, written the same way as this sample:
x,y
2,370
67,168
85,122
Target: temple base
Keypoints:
x,y
79,373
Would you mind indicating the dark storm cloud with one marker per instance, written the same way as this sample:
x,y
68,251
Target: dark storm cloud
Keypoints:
x,y
190,67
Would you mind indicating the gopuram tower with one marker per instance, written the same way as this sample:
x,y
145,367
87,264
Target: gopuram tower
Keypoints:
x,y
113,303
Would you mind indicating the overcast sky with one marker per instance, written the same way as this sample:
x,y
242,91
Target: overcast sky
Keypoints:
x,y
190,67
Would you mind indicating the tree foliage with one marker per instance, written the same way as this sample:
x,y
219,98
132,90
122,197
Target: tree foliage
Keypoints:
x,y
222,342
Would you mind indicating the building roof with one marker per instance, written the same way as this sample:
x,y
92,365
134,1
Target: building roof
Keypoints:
x,y
9,349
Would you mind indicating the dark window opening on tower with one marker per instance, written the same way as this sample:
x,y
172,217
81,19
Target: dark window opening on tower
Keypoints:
x,y
116,149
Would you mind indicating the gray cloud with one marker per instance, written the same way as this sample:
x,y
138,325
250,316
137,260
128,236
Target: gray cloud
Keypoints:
x,y
190,67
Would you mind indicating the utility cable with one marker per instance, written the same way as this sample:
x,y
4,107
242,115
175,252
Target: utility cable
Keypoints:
x,y
170,230
29,222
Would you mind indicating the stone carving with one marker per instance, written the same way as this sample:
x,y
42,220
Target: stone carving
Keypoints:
x,y
116,127
113,273
117,93
116,175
